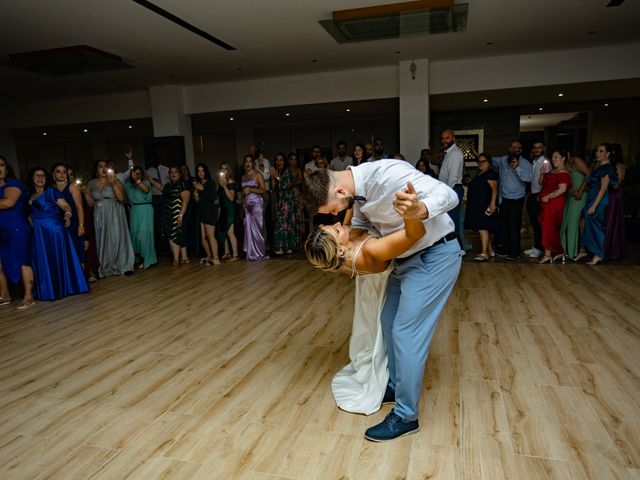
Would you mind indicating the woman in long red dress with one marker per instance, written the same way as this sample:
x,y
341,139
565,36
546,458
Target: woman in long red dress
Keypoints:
x,y
555,185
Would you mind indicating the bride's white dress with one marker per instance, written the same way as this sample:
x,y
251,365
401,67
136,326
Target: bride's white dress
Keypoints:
x,y
359,387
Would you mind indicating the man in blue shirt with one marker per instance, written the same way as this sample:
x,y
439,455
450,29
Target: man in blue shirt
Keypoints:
x,y
515,173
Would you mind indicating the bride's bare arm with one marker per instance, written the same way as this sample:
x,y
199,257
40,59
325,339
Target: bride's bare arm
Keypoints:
x,y
377,252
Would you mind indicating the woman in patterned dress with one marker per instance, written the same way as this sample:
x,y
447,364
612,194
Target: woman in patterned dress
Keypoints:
x,y
175,196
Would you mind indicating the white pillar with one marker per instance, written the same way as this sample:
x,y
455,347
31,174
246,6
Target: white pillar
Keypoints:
x,y
169,119
414,107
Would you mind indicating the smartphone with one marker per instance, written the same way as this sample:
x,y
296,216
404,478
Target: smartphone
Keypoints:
x,y
488,212
546,165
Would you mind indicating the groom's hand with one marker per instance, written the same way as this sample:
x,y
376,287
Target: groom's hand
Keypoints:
x,y
408,205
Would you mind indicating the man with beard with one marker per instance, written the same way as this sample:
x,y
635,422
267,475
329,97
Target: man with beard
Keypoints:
x,y
422,279
533,205
515,173
311,166
378,150
451,174
342,160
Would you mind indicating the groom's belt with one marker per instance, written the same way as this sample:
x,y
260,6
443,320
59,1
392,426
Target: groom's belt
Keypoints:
x,y
447,238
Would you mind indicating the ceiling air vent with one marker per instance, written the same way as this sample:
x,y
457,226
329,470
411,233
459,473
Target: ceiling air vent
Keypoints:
x,y
58,62
397,20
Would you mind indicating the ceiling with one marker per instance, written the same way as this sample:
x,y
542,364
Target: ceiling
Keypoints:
x,y
274,39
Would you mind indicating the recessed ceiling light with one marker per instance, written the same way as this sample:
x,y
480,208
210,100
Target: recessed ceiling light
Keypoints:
x,y
561,94
85,130
540,109
44,133
287,114
348,109
231,118
485,100
130,126
606,105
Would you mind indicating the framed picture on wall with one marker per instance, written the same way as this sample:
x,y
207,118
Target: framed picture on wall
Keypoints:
x,y
469,141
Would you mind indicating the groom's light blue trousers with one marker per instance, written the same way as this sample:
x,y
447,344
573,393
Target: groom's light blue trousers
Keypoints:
x,y
417,291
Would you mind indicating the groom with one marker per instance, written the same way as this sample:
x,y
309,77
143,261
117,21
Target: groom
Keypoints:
x,y
422,280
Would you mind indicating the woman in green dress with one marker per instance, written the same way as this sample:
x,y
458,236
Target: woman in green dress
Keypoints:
x,y
570,230
226,229
141,218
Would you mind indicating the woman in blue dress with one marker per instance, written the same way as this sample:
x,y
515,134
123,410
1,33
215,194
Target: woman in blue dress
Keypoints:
x,y
73,197
56,266
598,184
15,237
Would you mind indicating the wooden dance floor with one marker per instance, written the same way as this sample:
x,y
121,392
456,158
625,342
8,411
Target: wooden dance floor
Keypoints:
x,y
224,372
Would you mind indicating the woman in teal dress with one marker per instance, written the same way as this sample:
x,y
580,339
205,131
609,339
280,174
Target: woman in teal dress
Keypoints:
x,y
141,218
594,212
226,229
570,230
285,230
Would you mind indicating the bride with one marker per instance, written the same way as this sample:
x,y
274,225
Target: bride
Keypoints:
x,y
359,387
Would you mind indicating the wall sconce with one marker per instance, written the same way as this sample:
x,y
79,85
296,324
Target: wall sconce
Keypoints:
x,y
412,69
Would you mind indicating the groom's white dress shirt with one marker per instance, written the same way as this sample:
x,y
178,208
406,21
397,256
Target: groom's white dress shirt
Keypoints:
x,y
376,184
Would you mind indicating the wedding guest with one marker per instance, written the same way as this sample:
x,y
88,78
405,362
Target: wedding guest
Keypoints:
x,y
91,262
191,220
482,197
56,267
139,194
73,197
298,179
423,166
252,190
598,184
615,239
555,185
285,230
226,199
15,237
359,154
106,195
176,196
205,195
573,206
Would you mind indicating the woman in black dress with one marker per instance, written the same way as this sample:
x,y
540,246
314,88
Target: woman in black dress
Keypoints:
x,y
205,195
481,215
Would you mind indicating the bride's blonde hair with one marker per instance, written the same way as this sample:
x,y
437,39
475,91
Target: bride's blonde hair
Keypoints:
x,y
322,250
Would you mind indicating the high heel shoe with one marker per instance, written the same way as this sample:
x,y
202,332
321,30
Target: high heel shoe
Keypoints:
x,y
580,256
594,261
562,258
546,259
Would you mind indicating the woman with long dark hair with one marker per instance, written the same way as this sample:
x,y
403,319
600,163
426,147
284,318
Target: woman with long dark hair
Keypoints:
x,y
226,198
73,197
56,265
15,237
205,195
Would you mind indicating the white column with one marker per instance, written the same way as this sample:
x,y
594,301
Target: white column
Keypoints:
x,y
414,107
169,119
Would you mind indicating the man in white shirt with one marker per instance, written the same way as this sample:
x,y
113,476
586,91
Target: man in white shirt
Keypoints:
x,y
451,173
342,160
420,282
533,206
311,166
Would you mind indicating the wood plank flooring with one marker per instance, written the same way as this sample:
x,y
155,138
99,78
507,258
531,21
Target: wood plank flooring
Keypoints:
x,y
224,372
